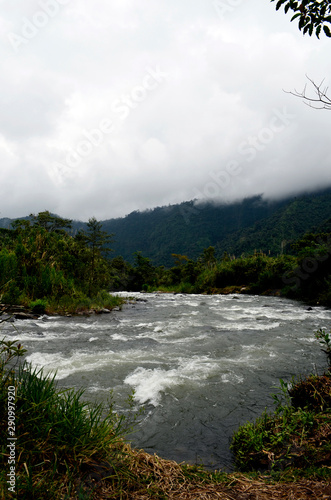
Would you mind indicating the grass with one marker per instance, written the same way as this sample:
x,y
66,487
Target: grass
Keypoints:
x,y
69,449
295,442
60,436
81,304
76,303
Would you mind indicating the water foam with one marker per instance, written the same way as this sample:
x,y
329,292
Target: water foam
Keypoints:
x,y
118,336
149,384
64,366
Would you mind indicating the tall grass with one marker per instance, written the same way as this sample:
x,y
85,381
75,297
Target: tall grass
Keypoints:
x,y
80,303
295,441
60,436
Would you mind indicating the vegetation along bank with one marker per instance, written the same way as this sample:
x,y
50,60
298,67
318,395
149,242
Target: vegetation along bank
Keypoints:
x,y
45,268
61,447
67,448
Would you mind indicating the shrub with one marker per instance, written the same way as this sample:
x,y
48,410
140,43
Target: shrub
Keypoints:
x,y
38,306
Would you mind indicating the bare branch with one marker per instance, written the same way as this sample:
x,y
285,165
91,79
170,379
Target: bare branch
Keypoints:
x,y
323,100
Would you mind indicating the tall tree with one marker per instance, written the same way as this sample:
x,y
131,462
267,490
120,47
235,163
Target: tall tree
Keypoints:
x,y
208,257
50,222
98,241
313,15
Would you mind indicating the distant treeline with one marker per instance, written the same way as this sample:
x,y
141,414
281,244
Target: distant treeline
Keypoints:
x,y
42,266
304,275
252,224
242,227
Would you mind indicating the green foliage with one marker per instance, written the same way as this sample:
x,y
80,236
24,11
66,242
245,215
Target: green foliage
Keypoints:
x,y
325,339
295,441
121,273
164,231
9,351
143,274
312,393
47,221
97,240
40,263
311,14
60,434
311,275
38,306
254,224
305,276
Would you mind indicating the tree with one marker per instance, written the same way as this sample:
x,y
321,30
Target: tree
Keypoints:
x,y
312,15
98,241
50,222
144,273
319,101
208,257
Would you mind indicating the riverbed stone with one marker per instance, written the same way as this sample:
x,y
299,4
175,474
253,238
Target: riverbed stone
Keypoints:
x,y
23,315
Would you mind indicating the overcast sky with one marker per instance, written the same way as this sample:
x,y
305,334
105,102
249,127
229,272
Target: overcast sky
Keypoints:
x,y
112,106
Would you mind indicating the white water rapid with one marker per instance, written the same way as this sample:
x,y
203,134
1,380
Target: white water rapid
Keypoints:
x,y
200,365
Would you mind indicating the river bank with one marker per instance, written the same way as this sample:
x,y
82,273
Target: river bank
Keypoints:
x,y
66,450
104,303
187,357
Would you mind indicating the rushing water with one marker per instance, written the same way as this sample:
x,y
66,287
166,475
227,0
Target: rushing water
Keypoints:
x,y
200,365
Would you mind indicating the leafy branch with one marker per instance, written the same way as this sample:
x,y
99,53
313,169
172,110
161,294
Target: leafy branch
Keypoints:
x,y
311,14
324,338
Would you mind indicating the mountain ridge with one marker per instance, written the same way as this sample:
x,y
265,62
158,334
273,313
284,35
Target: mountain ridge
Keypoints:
x,y
252,224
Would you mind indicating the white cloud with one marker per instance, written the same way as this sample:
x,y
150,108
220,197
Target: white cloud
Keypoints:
x,y
116,106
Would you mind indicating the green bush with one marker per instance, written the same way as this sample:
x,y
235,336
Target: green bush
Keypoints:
x,y
12,294
296,440
38,306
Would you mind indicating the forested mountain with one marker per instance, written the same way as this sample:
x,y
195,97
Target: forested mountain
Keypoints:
x,y
275,233
186,228
236,228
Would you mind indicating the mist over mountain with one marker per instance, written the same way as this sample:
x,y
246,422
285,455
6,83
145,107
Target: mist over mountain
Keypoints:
x,y
253,224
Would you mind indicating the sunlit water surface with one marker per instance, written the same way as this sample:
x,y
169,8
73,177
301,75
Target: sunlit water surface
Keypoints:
x,y
200,365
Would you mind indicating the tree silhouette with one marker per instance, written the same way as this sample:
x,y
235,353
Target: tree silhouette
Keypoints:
x,y
98,241
312,15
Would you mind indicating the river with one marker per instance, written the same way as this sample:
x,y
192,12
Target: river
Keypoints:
x,y
200,365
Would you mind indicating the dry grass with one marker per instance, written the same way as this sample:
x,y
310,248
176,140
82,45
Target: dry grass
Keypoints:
x,y
152,477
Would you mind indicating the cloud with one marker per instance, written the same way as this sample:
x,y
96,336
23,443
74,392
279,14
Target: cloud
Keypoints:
x,y
120,106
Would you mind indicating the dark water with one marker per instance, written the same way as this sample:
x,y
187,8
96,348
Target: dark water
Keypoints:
x,y
200,365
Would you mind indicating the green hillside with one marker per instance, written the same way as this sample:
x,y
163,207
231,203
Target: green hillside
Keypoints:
x,y
236,228
274,234
186,228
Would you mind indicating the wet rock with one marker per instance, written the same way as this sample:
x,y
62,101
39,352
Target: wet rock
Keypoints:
x,y
6,317
23,315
